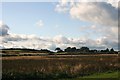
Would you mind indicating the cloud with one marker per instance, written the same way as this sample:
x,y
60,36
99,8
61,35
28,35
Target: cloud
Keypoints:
x,y
100,30
108,42
18,37
3,29
60,39
114,3
51,46
95,12
62,7
40,23
103,13
35,42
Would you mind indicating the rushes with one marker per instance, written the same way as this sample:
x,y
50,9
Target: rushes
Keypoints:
x,y
53,68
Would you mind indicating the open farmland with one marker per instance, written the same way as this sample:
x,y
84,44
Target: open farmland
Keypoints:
x,y
54,67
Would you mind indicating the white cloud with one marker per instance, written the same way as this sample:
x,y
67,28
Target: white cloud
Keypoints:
x,y
61,39
18,41
114,3
60,8
32,41
96,12
40,23
51,46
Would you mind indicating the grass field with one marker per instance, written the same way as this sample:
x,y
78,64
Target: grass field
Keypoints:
x,y
102,76
59,67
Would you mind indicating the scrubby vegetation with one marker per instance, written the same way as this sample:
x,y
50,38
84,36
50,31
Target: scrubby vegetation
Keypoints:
x,y
55,67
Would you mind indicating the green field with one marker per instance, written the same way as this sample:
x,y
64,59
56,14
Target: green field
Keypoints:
x,y
104,75
108,75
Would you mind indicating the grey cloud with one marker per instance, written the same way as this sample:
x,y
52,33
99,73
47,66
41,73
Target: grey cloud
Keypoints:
x,y
96,12
60,39
3,29
103,13
51,46
109,42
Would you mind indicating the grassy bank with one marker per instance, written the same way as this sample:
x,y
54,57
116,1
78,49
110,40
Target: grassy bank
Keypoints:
x,y
104,75
99,76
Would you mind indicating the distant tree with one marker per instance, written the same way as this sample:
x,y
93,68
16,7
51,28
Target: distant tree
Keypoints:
x,y
68,49
111,50
107,50
84,49
58,49
73,49
45,51
102,51
94,51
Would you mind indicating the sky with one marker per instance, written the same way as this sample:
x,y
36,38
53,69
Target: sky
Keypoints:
x,y
64,23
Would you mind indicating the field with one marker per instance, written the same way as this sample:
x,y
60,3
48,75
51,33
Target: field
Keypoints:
x,y
99,76
58,67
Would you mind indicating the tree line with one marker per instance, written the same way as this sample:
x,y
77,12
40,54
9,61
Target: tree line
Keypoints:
x,y
68,50
84,50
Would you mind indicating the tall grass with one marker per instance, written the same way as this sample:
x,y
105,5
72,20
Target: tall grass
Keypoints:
x,y
53,67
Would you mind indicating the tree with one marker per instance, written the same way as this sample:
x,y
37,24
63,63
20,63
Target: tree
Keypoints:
x,y
94,51
58,49
84,49
73,49
68,49
107,50
111,50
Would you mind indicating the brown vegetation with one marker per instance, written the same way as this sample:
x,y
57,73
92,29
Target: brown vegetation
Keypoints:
x,y
59,66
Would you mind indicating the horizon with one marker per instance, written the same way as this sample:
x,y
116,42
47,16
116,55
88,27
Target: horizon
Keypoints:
x,y
47,25
57,47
